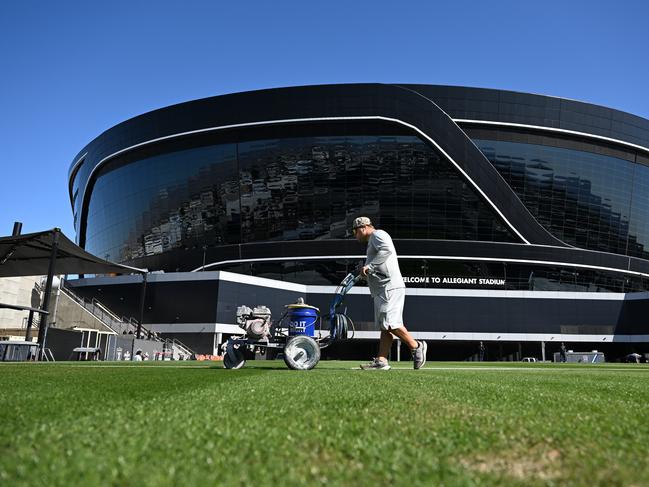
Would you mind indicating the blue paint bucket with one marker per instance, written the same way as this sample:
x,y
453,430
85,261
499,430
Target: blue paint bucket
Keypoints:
x,y
302,319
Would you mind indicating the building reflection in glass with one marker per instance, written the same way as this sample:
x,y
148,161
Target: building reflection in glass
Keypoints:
x,y
588,200
283,189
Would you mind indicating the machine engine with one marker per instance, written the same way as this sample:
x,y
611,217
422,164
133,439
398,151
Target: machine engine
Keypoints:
x,y
255,322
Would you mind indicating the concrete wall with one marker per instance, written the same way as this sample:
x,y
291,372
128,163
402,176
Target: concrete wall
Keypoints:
x,y
18,291
67,313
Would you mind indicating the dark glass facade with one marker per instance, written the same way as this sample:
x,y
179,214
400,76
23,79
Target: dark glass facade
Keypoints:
x,y
158,204
301,188
588,200
269,182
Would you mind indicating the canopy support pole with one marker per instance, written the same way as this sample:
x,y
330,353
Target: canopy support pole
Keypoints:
x,y
142,300
42,329
28,332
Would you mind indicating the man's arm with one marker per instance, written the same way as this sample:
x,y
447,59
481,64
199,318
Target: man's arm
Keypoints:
x,y
382,242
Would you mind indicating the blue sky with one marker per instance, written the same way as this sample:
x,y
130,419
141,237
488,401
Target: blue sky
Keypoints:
x,y
72,69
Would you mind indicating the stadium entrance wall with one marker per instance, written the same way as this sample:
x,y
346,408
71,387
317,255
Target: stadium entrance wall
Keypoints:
x,y
203,306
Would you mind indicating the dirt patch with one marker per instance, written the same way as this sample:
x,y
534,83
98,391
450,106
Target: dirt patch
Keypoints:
x,y
534,464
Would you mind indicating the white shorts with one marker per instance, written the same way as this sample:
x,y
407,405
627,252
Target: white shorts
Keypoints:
x,y
388,308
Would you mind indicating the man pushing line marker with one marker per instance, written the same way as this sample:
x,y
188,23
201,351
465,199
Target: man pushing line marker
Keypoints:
x,y
388,291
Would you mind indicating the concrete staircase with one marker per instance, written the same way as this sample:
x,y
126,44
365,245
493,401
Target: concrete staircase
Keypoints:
x,y
78,313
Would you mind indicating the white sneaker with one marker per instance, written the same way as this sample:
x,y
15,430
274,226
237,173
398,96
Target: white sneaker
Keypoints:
x,y
419,355
376,364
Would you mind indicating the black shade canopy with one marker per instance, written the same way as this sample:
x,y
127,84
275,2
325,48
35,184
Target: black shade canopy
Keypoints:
x,y
29,255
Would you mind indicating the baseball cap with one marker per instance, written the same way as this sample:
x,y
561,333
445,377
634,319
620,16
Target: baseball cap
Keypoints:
x,y
361,221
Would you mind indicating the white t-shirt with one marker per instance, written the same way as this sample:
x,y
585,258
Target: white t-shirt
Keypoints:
x,y
384,273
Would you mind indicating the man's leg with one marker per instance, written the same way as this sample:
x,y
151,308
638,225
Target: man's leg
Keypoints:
x,y
404,335
385,344
418,349
380,362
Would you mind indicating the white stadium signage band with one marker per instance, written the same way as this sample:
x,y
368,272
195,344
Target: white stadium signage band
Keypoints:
x,y
454,281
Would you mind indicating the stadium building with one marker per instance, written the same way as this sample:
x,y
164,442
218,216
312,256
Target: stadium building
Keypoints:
x,y
519,219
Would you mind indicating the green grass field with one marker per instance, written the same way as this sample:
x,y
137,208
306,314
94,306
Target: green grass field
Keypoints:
x,y
191,423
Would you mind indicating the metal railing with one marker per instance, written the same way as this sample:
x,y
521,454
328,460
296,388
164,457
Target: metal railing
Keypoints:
x,y
48,356
120,325
36,321
182,348
126,325
108,323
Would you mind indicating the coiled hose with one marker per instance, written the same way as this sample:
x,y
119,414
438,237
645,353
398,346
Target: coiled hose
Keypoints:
x,y
340,325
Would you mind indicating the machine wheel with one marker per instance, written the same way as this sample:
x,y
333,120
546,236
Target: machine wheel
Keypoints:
x,y
301,353
233,358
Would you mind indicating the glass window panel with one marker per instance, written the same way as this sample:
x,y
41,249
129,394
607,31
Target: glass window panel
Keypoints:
x,y
299,188
588,200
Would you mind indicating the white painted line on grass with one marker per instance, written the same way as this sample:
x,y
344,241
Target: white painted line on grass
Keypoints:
x,y
521,369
